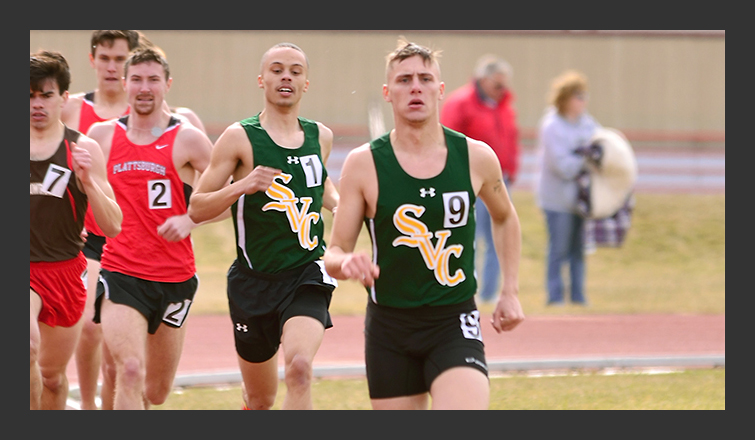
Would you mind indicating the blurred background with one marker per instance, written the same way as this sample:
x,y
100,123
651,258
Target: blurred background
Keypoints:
x,y
665,90
661,88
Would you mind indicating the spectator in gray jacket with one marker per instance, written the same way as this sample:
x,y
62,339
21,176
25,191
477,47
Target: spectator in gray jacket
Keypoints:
x,y
565,127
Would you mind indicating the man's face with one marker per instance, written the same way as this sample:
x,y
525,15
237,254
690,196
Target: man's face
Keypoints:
x,y
284,76
146,86
414,89
45,106
108,62
494,86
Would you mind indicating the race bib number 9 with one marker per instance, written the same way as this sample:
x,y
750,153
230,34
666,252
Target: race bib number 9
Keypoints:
x,y
456,208
470,325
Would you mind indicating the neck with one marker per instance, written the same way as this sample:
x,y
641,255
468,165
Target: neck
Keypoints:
x,y
418,136
53,131
572,117
144,129
44,142
158,118
280,118
109,97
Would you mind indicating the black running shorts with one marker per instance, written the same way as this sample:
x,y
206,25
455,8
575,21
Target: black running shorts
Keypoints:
x,y
260,303
407,349
159,302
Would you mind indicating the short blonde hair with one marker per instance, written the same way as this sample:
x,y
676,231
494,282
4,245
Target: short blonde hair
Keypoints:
x,y
564,86
406,49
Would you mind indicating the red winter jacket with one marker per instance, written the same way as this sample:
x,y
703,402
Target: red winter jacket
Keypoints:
x,y
465,112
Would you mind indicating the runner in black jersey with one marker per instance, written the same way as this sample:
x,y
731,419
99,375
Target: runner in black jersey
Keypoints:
x,y
67,172
278,290
415,189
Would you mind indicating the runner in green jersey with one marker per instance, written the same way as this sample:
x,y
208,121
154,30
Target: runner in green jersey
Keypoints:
x,y
278,290
415,187
423,223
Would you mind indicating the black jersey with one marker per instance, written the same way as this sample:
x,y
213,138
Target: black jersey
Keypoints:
x,y
57,205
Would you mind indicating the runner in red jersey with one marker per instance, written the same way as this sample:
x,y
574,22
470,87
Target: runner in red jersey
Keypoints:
x,y
132,168
148,276
108,51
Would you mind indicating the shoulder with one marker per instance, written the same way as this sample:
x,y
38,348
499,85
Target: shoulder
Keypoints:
x,y
480,152
76,98
72,106
74,101
483,161
98,130
480,149
589,120
233,136
359,156
326,134
86,142
550,120
358,168
189,131
235,131
189,115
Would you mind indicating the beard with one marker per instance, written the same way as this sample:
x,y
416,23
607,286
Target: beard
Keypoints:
x,y
144,109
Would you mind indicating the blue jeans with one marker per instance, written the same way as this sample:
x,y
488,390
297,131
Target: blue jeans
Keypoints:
x,y
490,268
566,232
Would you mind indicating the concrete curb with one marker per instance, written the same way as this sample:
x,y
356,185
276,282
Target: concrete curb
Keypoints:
x,y
526,365
598,363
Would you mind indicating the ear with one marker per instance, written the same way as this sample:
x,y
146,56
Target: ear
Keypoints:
x,y
91,60
306,86
259,82
386,98
442,91
168,84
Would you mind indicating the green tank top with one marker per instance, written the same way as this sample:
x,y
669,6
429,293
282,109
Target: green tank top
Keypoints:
x,y
424,229
281,228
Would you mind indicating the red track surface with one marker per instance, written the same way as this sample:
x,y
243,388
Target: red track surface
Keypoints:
x,y
209,344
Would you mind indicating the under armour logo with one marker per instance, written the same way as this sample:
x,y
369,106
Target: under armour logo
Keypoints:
x,y
292,159
427,192
242,328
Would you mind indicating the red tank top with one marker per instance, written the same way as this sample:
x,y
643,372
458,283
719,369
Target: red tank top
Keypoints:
x,y
87,117
149,191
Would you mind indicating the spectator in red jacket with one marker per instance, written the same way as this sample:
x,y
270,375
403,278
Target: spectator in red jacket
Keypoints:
x,y
482,109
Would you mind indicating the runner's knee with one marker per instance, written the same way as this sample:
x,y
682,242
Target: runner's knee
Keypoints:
x,y
131,373
298,373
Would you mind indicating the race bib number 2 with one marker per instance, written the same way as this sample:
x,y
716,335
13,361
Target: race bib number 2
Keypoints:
x,y
175,313
159,194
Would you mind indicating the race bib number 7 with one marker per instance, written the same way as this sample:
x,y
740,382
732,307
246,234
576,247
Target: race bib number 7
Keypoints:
x,y
56,180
